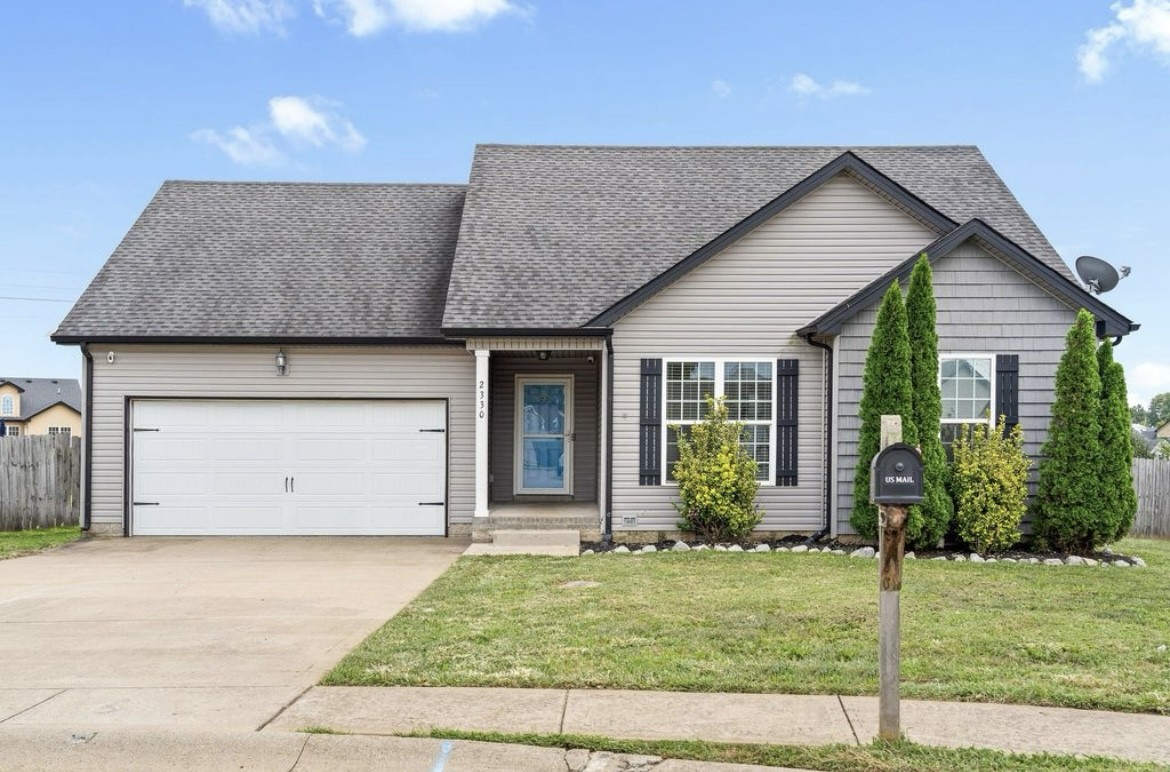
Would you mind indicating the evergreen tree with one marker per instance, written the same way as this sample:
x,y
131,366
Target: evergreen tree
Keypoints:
x,y
885,391
1068,502
928,522
1120,506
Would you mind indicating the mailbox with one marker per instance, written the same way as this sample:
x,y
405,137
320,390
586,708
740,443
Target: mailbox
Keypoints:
x,y
895,476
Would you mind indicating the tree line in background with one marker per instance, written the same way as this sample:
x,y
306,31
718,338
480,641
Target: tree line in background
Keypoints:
x,y
1085,497
1155,415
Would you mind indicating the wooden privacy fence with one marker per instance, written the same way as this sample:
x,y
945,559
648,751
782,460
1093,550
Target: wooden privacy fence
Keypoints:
x,y
1151,477
40,481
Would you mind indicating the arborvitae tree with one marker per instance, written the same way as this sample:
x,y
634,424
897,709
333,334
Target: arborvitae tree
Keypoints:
x,y
1116,447
886,391
1069,500
928,522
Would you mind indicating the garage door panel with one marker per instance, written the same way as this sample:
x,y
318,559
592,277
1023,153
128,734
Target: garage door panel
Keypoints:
x,y
228,467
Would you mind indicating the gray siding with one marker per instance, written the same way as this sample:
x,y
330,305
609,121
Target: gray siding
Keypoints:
x,y
503,416
748,302
984,306
249,371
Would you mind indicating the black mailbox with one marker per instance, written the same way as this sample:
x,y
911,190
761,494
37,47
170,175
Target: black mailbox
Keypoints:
x,y
895,477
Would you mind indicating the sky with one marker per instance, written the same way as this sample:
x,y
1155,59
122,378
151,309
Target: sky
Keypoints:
x,y
102,102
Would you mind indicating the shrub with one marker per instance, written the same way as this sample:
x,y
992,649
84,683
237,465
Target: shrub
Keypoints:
x,y
1068,501
1138,445
716,479
1120,504
991,485
928,522
885,391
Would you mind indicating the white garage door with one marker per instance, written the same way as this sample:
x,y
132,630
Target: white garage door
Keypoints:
x,y
288,467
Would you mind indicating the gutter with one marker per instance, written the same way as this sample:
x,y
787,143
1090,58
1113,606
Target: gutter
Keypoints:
x,y
828,492
87,454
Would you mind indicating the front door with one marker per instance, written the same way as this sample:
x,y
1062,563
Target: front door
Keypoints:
x,y
544,434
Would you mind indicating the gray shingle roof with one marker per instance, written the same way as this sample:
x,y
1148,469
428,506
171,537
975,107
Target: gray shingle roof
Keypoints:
x,y
282,260
554,235
40,393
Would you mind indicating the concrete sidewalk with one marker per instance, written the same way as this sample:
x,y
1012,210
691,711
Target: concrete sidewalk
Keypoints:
x,y
738,718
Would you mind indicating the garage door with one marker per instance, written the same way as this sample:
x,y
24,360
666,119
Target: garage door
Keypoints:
x,y
288,467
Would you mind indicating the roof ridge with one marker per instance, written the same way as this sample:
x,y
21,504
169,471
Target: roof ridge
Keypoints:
x,y
722,147
323,183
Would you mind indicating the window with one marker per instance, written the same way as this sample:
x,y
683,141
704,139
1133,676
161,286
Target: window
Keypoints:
x,y
13,431
966,382
747,388
60,430
7,406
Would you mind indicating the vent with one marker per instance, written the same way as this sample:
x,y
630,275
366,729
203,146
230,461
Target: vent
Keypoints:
x,y
629,520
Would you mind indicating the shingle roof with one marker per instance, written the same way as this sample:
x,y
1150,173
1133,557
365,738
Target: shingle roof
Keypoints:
x,y
281,260
554,235
40,393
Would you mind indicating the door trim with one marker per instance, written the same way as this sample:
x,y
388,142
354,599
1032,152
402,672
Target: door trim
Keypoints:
x,y
518,434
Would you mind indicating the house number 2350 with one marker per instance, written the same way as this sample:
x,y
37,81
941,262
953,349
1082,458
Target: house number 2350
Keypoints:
x,y
482,400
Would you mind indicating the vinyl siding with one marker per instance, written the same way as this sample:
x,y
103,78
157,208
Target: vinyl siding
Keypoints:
x,y
747,303
250,372
983,306
503,417
57,415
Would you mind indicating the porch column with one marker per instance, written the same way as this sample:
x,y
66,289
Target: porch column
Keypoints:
x,y
481,432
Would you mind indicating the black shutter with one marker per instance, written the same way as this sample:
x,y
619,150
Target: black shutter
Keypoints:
x,y
787,382
1007,389
650,431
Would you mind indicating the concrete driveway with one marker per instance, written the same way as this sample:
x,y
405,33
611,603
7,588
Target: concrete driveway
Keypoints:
x,y
215,633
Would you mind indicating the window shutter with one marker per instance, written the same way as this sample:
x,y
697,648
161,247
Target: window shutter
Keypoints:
x,y
650,430
787,381
1007,389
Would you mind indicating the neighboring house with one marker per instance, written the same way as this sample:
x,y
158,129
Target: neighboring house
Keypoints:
x,y
1163,431
40,406
405,359
1148,434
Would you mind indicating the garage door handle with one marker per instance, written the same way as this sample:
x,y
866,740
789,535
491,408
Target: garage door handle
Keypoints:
x,y
431,503
440,431
146,503
292,485
286,485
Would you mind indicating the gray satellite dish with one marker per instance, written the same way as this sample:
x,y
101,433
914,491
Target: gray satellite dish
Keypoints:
x,y
1099,275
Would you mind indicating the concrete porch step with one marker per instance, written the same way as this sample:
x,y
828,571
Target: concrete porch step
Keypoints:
x,y
565,543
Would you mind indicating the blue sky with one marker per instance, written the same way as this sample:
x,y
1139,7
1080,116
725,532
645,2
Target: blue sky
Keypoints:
x,y
1069,99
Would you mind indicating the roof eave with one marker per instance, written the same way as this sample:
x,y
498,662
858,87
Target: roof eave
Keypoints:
x,y
69,339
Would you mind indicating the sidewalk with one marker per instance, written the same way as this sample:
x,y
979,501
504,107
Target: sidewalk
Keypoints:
x,y
738,718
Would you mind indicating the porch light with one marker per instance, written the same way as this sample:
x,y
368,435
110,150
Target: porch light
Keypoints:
x,y
281,363
543,355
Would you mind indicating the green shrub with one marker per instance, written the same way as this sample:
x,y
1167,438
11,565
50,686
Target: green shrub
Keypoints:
x,y
928,522
1120,504
716,479
991,484
1068,500
885,391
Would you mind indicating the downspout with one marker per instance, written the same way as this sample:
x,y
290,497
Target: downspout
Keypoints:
x,y
828,493
87,455
607,537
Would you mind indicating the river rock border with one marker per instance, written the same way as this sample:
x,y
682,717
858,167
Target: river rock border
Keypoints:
x,y
1104,560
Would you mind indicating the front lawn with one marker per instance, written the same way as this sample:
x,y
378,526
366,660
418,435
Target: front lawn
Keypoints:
x,y
16,543
1072,636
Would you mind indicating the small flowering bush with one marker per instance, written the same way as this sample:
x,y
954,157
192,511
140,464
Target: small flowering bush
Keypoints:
x,y
990,478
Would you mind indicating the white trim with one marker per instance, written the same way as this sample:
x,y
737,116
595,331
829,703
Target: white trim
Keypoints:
x,y
719,378
567,433
992,418
482,400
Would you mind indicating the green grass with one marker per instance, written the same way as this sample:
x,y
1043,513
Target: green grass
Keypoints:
x,y
877,757
783,623
17,543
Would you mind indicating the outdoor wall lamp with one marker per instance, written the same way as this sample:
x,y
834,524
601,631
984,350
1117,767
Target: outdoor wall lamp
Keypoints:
x,y
281,363
543,356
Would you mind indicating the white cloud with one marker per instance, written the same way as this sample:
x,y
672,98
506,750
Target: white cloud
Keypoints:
x,y
301,122
720,88
366,17
806,86
1143,25
248,147
1145,381
245,17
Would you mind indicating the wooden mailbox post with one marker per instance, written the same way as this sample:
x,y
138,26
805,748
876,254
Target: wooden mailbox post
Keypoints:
x,y
895,479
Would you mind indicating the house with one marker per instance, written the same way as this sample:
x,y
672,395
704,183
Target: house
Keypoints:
x,y
40,406
1163,431
437,359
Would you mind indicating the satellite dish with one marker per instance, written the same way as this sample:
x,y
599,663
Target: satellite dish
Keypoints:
x,y
1098,274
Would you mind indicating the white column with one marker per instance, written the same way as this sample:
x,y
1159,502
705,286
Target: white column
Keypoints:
x,y
482,357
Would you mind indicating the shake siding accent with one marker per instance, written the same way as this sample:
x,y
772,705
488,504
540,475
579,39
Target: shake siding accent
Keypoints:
x,y
250,372
984,306
503,416
748,302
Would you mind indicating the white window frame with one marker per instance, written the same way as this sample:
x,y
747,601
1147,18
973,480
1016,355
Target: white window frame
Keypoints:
x,y
720,362
7,406
13,431
61,430
992,417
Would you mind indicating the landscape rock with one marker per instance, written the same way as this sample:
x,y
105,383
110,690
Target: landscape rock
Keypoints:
x,y
1033,561
681,546
1138,562
910,556
1008,560
702,548
1075,560
863,552
976,558
1090,562
762,548
649,548
721,548
588,552
839,552
735,548
1053,562
783,549
960,558
800,548
991,560
1120,564
621,549
940,557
